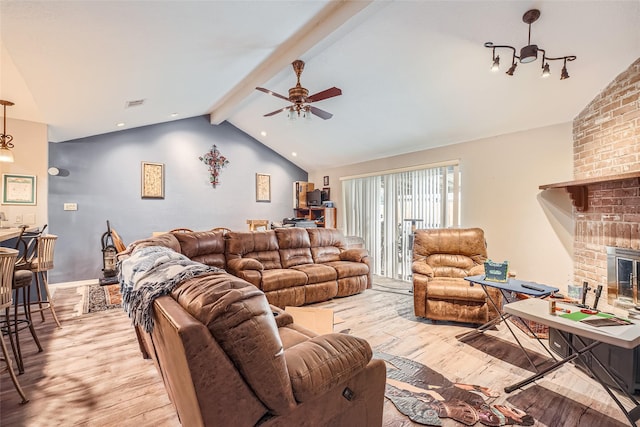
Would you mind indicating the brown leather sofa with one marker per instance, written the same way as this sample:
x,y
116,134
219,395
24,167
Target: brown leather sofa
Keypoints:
x,y
228,358
297,266
292,266
442,258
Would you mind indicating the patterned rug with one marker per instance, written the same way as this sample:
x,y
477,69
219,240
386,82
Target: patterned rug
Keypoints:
x,y
101,298
426,397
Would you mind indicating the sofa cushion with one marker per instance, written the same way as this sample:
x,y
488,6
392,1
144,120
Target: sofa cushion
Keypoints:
x,y
319,364
295,248
449,288
317,273
326,244
450,265
282,278
261,245
294,334
206,247
348,268
242,322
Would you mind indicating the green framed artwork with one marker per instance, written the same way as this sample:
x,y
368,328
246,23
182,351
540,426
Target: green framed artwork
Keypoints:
x,y
18,189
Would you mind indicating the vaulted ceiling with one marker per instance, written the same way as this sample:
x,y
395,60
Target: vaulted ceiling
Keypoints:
x,y
414,74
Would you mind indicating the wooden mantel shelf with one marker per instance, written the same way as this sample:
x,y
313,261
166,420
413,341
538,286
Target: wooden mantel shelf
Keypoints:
x,y
578,189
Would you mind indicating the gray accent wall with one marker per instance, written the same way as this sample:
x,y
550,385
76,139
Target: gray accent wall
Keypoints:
x,y
102,174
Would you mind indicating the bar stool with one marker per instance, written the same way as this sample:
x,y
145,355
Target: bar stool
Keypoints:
x,y
40,265
22,295
7,265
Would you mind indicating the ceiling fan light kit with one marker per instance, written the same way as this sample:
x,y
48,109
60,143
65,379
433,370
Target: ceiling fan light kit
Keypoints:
x,y
529,53
300,99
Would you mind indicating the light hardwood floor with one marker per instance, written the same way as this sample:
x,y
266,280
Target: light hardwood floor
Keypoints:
x,y
91,372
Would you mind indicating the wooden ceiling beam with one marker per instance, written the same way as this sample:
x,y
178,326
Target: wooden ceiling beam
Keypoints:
x,y
330,18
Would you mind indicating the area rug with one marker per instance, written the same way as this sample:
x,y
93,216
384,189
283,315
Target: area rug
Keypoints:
x,y
101,298
426,397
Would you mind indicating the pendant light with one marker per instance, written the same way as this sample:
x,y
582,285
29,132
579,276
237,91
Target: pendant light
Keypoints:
x,y
5,140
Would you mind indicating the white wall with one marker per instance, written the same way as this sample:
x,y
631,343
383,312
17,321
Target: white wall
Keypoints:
x,y
531,229
30,158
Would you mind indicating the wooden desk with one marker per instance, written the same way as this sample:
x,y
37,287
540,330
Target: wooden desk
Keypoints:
x,y
621,336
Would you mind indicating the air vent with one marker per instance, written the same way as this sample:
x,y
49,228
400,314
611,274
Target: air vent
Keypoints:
x,y
135,103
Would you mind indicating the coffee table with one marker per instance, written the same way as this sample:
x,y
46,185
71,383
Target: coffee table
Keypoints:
x,y
531,289
621,336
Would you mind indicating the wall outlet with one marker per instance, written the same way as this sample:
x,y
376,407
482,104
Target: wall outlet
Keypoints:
x,y
70,206
18,219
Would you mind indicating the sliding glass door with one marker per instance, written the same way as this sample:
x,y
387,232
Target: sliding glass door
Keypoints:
x,y
385,210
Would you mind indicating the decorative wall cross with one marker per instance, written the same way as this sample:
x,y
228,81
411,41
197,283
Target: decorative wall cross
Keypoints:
x,y
215,161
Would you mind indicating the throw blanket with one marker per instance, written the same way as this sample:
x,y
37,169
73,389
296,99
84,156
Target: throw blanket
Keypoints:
x,y
152,272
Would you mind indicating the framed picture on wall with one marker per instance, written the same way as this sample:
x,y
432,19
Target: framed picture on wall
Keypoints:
x,y
263,187
18,189
325,180
326,194
152,180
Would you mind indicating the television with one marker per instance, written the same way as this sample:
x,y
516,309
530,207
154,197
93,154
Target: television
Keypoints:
x,y
314,198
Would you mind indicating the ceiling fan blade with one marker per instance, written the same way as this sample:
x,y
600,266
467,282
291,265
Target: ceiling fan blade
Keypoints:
x,y
320,113
328,93
273,113
277,95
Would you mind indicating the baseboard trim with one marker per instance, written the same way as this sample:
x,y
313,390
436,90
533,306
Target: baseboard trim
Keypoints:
x,y
74,284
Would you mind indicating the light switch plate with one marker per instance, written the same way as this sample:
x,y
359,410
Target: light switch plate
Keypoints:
x,y
70,206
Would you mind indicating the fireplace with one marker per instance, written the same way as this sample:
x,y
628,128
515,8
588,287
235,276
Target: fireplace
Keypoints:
x,y
623,271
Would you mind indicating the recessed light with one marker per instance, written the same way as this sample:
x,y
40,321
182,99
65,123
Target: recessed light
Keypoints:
x,y
121,124
263,133
294,154
174,114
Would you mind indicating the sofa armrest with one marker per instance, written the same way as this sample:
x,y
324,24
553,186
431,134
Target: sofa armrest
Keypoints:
x,y
239,264
421,267
476,270
317,365
282,317
354,255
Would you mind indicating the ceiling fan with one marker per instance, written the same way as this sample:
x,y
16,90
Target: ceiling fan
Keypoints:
x,y
300,99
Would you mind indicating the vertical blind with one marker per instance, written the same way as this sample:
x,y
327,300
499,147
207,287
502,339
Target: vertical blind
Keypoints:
x,y
385,210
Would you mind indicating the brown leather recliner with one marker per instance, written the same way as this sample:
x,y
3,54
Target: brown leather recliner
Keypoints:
x,y
442,258
228,358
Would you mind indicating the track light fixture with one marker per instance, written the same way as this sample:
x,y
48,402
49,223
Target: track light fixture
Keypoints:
x,y
529,53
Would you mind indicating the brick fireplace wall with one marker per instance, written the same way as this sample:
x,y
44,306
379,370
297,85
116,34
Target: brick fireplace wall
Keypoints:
x,y
606,142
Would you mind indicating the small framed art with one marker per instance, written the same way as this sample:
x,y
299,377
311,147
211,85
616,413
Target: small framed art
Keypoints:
x,y
325,180
152,180
263,187
18,189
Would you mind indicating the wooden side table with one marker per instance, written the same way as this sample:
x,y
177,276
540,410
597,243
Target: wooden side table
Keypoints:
x,y
254,224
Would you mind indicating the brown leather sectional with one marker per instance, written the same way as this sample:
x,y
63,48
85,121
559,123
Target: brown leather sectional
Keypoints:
x,y
292,266
229,358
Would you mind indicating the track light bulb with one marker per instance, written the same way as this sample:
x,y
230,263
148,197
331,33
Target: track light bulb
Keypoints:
x,y
512,70
545,71
496,64
564,74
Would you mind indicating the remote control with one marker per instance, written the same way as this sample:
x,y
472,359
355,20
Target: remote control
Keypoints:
x,y
535,288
